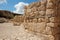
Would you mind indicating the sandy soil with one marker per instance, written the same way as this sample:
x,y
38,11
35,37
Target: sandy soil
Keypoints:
x,y
10,32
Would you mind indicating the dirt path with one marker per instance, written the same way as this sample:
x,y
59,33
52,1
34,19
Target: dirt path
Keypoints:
x,y
10,32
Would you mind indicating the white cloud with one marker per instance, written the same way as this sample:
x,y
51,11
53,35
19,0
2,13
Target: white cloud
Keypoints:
x,y
20,7
2,1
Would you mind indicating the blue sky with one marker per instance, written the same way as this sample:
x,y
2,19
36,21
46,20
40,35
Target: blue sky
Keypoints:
x,y
10,4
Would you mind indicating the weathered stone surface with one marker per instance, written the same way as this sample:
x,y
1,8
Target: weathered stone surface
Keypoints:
x,y
53,1
57,37
2,20
50,5
37,4
29,10
43,2
42,18
39,20
18,20
50,24
39,8
52,19
34,9
42,13
47,19
50,12
48,31
35,20
56,30
57,19
51,37
43,7
36,27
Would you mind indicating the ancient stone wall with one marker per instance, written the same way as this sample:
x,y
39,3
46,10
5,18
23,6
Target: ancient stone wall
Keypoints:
x,y
43,18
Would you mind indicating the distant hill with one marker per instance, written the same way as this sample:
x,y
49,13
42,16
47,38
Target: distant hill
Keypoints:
x,y
7,14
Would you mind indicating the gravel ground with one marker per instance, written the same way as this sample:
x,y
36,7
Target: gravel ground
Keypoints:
x,y
10,32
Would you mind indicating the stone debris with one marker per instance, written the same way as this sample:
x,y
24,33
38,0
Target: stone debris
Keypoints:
x,y
2,20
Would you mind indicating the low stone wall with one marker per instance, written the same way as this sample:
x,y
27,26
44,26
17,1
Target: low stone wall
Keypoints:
x,y
17,20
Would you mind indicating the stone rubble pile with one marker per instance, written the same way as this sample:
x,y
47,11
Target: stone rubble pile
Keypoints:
x,y
17,20
3,20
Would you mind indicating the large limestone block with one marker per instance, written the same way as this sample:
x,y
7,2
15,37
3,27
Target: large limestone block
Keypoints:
x,y
42,13
42,19
18,19
51,37
50,5
40,27
39,8
38,4
34,9
53,1
35,20
29,10
43,7
50,12
31,5
31,14
52,19
51,31
27,20
30,20
39,20
36,27
36,13
52,24
43,2
48,31
56,30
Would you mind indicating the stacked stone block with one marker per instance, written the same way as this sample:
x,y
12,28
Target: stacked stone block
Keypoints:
x,y
50,14
35,12
57,35
18,20
43,18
